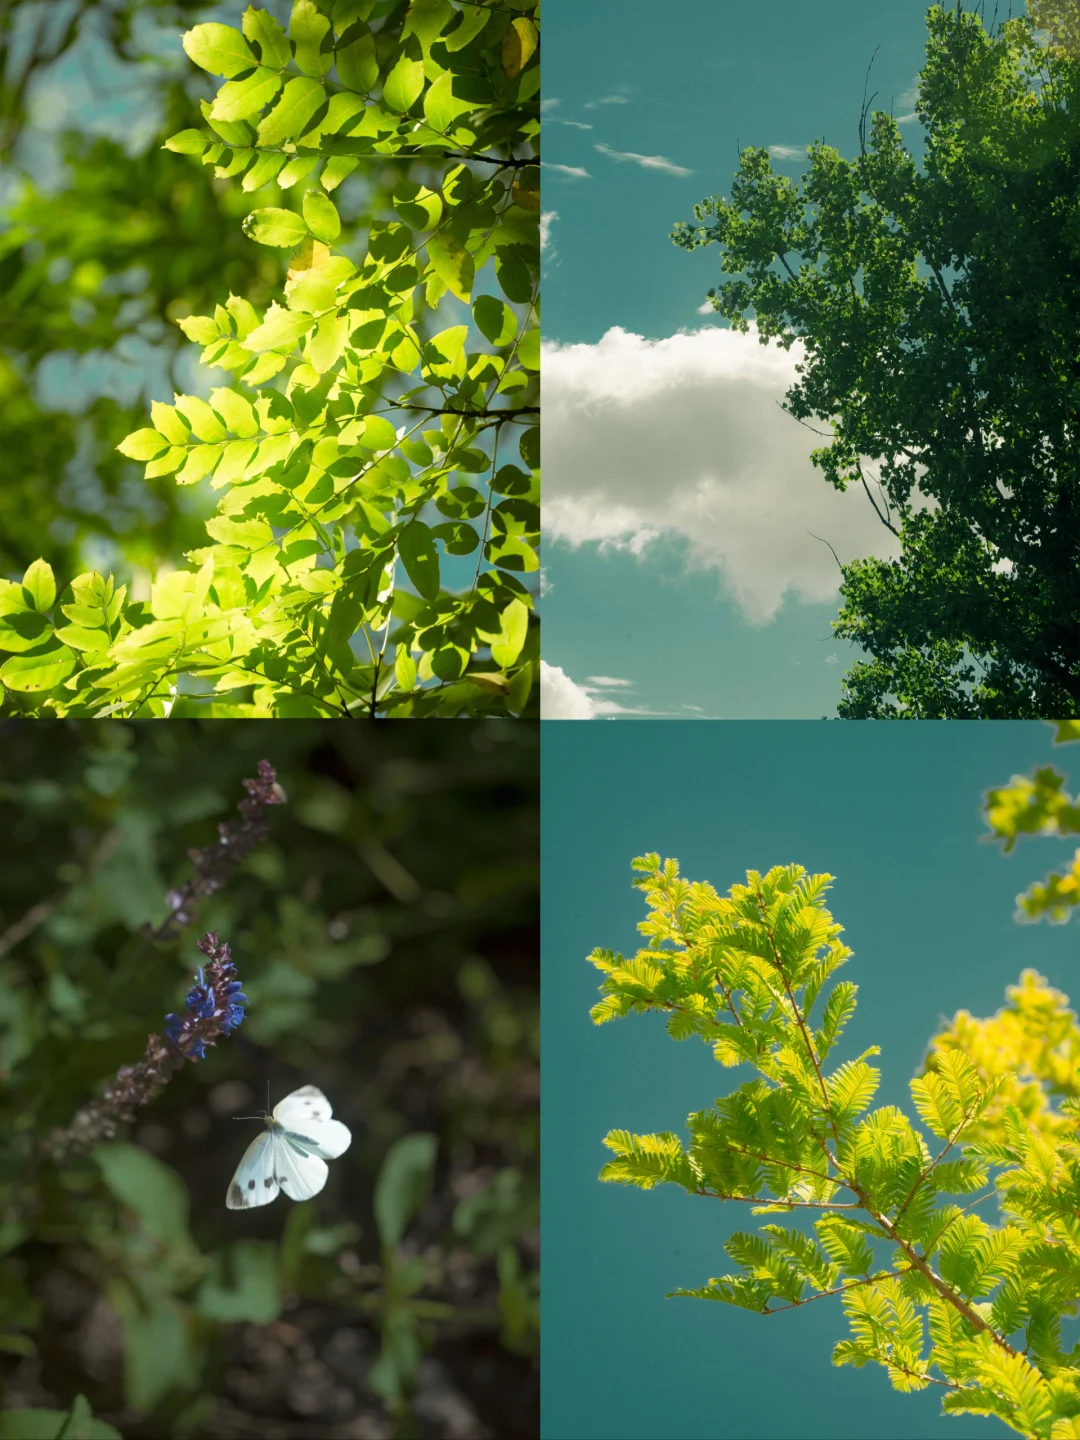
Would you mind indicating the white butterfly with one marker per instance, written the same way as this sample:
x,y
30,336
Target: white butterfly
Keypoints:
x,y
291,1153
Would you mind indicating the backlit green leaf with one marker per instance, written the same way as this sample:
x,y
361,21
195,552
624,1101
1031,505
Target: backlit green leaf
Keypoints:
x,y
262,29
244,97
403,85
236,411
358,65
281,328
204,423
324,347
297,104
40,585
452,263
187,142
38,670
143,445
307,28
321,215
219,49
441,106
528,351
378,433
272,226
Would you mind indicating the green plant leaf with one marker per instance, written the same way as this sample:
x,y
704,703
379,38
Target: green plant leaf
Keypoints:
x,y
453,264
307,28
494,319
298,103
281,328
219,49
404,1185
240,98
416,547
358,64
40,585
321,216
38,670
403,85
262,29
528,351
271,226
441,106
187,142
143,445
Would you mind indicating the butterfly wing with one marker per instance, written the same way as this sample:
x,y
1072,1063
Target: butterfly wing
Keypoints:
x,y
298,1171
255,1181
305,1116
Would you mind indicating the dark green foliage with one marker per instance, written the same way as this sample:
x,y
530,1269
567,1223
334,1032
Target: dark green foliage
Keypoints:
x,y
939,309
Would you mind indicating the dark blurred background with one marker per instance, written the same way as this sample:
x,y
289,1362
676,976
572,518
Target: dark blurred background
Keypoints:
x,y
386,935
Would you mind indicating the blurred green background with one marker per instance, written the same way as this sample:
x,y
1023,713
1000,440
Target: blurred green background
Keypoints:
x,y
386,934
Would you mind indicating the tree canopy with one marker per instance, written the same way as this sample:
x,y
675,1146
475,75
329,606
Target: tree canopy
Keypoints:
x,y
940,312
350,477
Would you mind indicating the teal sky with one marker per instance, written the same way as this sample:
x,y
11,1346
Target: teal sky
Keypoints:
x,y
688,90
893,812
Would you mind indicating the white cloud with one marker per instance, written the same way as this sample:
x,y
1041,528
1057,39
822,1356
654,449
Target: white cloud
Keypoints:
x,y
682,437
577,124
607,681
549,104
607,100
787,152
547,218
647,162
574,171
560,698
706,309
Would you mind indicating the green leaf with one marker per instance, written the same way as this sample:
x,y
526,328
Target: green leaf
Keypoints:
x,y
263,30
165,464
416,546
321,215
233,463
307,28
204,423
168,421
453,264
23,630
441,106
264,170
40,586
200,328
299,101
271,226
358,64
79,638
38,670
324,347
515,627
528,352
405,668
403,85
338,168
219,49
519,45
244,97
404,1185
187,142
237,412
296,170
248,534
494,319
513,275
78,1423
198,464
143,445
280,329
378,433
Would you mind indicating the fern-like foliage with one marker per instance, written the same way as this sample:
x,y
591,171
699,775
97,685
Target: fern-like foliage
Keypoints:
x,y
933,1291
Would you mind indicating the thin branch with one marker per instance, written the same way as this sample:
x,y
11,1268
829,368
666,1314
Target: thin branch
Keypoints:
x,y
883,518
834,554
